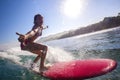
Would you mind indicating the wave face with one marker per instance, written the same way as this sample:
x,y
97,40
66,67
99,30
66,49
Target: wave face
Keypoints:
x,y
14,63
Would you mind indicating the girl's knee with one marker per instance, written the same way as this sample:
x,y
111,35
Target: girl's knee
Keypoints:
x,y
46,48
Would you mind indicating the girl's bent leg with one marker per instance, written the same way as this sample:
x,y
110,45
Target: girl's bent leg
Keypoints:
x,y
42,67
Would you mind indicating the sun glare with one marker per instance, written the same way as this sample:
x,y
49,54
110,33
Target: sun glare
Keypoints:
x,y
72,8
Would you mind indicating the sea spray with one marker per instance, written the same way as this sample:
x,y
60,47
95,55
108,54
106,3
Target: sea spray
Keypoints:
x,y
18,51
56,54
14,54
13,58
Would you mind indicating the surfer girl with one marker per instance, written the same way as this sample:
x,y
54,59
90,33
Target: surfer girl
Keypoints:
x,y
27,42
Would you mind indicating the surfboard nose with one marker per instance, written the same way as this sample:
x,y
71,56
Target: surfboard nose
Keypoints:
x,y
112,64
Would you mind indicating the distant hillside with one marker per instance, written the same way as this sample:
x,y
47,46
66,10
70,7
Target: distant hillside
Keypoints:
x,y
108,22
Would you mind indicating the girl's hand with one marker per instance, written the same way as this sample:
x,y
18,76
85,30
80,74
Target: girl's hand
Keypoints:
x,y
21,37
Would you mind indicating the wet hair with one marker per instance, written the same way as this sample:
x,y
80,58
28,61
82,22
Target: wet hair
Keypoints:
x,y
35,17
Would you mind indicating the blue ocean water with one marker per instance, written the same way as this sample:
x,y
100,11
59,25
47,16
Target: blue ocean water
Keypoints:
x,y
102,44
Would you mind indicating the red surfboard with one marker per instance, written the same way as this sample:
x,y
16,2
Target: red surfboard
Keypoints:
x,y
80,69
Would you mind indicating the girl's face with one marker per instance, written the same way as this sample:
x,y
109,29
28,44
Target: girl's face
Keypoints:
x,y
39,20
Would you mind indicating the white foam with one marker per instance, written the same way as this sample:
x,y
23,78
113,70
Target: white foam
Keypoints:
x,y
13,58
13,54
18,51
56,54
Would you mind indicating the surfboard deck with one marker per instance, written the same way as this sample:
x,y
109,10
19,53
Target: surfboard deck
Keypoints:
x,y
79,69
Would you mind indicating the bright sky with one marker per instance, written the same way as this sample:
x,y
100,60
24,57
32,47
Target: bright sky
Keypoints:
x,y
59,15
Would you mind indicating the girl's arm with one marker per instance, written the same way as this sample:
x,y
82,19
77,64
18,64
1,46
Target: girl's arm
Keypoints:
x,y
30,33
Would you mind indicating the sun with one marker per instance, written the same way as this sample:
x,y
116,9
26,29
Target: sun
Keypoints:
x,y
72,8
